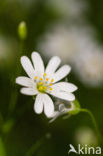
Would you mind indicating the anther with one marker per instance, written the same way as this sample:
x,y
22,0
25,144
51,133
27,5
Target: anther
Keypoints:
x,y
41,79
50,89
40,88
45,87
45,74
47,79
52,80
50,84
40,83
35,77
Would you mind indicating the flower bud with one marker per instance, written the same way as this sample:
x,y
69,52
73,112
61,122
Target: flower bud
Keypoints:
x,y
22,30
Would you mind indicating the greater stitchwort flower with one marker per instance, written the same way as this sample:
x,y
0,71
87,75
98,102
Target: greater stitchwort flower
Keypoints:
x,y
42,82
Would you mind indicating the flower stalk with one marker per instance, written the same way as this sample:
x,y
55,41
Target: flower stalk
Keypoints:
x,y
94,122
77,109
22,33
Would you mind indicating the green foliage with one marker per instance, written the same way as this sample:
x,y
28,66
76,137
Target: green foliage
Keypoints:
x,y
7,126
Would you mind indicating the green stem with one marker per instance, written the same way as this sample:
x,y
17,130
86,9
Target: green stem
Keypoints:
x,y
14,95
94,122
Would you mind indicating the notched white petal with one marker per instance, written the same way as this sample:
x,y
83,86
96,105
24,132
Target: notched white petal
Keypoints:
x,y
48,105
64,86
29,91
28,67
38,105
53,65
63,95
61,73
38,63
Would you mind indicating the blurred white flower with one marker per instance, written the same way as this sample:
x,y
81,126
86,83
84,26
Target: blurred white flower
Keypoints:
x,y
69,8
62,108
85,136
65,42
42,82
89,66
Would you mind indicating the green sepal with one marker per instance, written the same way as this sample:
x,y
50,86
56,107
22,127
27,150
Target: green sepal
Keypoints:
x,y
76,109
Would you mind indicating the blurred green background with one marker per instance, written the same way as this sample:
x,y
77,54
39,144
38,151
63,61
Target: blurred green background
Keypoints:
x,y
21,128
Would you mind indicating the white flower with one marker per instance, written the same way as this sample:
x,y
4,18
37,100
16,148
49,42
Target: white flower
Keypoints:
x,y
62,109
89,66
65,42
42,82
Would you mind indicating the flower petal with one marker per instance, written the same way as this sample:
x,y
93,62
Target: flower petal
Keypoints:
x,y
38,63
64,86
29,91
38,105
26,63
54,116
61,73
25,81
63,95
48,105
52,65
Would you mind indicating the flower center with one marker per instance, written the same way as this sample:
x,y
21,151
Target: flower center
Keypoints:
x,y
42,83
41,87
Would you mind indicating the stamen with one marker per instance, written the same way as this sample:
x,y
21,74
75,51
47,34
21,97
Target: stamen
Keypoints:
x,y
35,77
47,79
45,88
40,83
52,80
50,89
41,79
45,74
40,88
50,84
